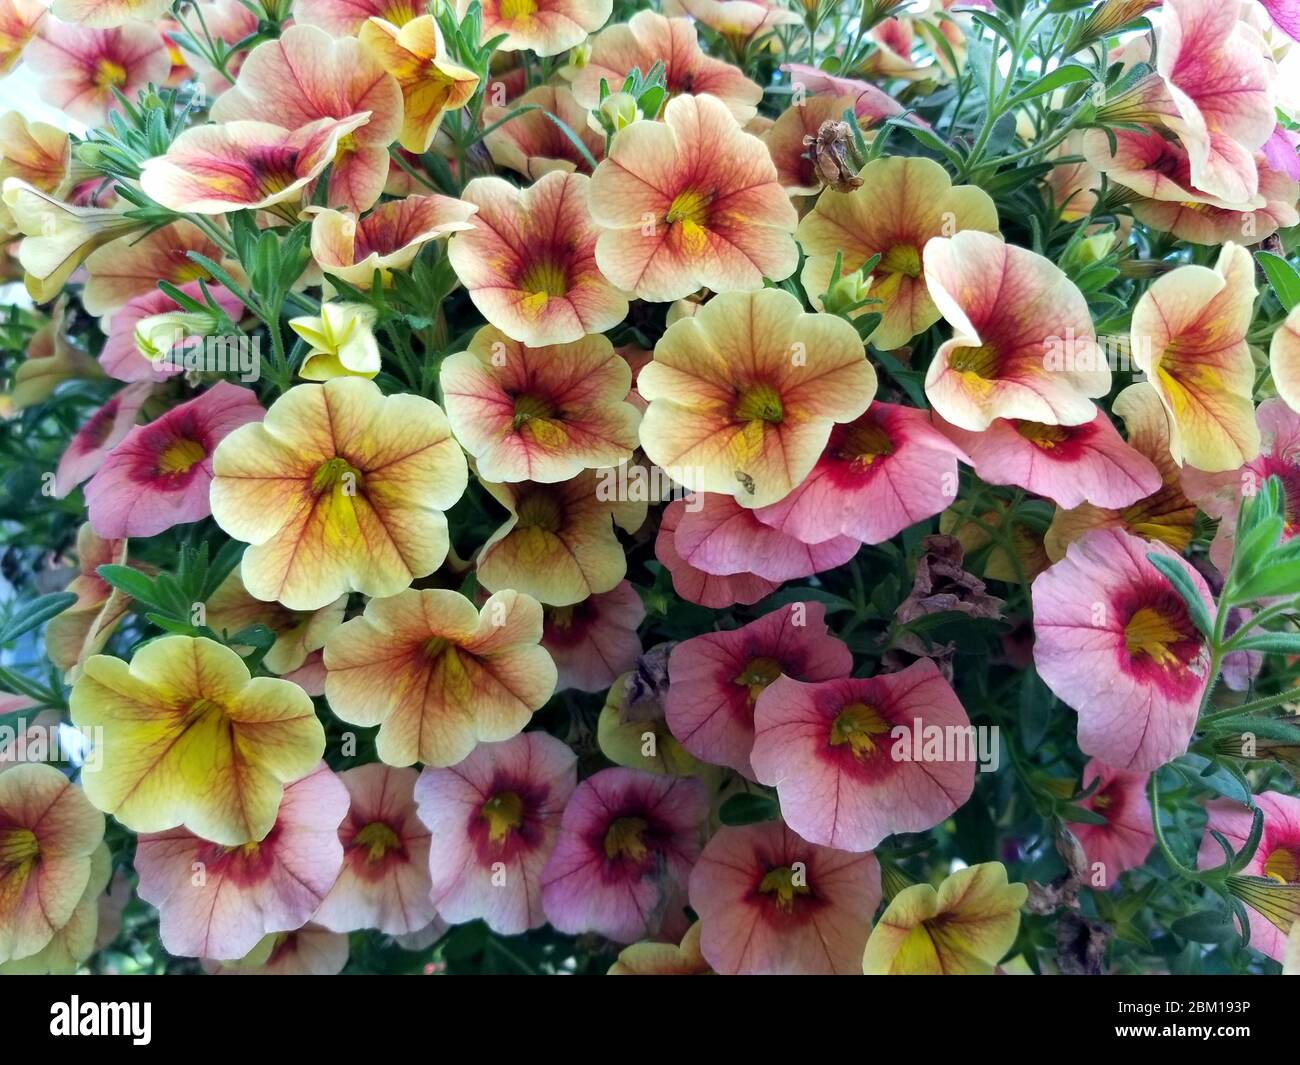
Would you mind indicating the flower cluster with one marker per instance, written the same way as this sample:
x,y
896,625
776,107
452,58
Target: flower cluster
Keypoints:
x,y
743,487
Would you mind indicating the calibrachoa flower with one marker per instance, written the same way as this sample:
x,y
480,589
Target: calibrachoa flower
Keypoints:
x,y
437,675
691,202
529,262
532,144
431,84
546,27
339,488
771,903
740,22
715,680
696,585
881,747
1015,316
901,203
648,38
493,820
558,544
1069,464
48,833
190,739
78,938
306,951
878,474
84,627
384,882
387,239
81,66
626,845
1284,359
125,269
219,901
130,355
305,76
744,395
102,431
594,641
159,475
632,729
34,152
1127,837
964,928
101,14
539,414
1116,642
344,18
18,22
342,342
1189,337
663,959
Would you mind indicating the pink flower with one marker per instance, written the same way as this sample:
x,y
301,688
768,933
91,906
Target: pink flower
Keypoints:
x,y
715,680
854,760
103,431
1126,838
79,67
594,641
158,476
693,584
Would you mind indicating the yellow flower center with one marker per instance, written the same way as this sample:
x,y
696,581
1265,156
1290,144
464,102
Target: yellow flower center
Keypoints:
x,y
902,259
379,840
399,13
337,474
109,75
1151,633
1283,865
623,839
758,675
863,443
516,10
540,510
18,846
761,403
781,884
545,279
178,456
504,813
346,146
1046,437
860,726
981,361
690,210
529,407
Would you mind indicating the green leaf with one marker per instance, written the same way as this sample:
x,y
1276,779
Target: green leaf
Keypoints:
x,y
1275,580
1173,571
1282,276
1036,705
132,583
748,809
1207,926
1066,74
1278,643
34,614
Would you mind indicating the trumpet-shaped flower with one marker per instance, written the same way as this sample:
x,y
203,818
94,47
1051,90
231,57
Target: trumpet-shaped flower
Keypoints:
x,y
1115,641
854,761
19,20
431,84
771,903
305,76
1200,223
558,544
190,739
532,144
131,353
34,152
663,959
384,882
1284,359
1127,837
529,263
695,585
120,271
339,488
80,66
78,938
342,342
963,928
493,820
626,845
306,951
901,204
48,833
648,38
1023,345
740,23
540,414
387,239
877,475
744,395
1069,464
105,14
298,634
345,18
159,475
438,676
218,901
546,27
593,642
83,628
1189,337
715,680
103,431
691,202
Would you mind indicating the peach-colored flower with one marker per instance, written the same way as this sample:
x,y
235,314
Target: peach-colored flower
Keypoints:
x,y
1207,223
532,144
34,152
344,18
431,84
339,488
539,414
387,239
119,271
105,14
529,263
558,544
305,76
19,20
51,359
663,959
79,67
869,102
78,939
438,676
547,27
84,628
648,38
188,737
1189,336
1023,343
901,203
743,396
740,23
244,165
1284,359
691,202
307,951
